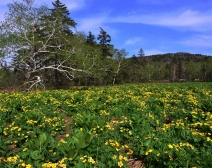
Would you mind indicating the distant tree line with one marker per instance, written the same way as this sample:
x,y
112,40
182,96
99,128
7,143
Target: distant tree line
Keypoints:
x,y
41,47
170,67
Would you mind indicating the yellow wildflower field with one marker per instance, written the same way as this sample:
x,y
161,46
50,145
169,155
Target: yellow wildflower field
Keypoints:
x,y
155,125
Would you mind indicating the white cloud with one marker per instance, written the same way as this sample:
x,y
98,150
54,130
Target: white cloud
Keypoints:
x,y
94,23
198,41
91,24
153,52
133,41
71,5
188,18
75,4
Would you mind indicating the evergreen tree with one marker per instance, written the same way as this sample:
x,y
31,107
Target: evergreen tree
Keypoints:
x,y
90,39
58,19
104,42
60,15
141,53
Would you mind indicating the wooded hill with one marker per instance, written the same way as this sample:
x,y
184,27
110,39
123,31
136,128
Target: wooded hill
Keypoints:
x,y
179,56
170,67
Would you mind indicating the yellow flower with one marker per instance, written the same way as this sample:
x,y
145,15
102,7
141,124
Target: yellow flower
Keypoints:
x,y
125,158
62,141
91,160
13,159
126,146
120,164
23,164
170,146
114,157
25,149
130,132
62,161
149,151
28,166
130,152
120,157
208,139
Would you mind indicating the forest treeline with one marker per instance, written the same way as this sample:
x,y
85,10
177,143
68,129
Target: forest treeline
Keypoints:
x,y
41,47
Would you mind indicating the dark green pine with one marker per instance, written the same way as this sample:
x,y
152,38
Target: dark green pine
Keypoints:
x,y
60,14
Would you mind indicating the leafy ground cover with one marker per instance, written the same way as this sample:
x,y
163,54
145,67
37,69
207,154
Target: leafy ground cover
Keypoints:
x,y
136,125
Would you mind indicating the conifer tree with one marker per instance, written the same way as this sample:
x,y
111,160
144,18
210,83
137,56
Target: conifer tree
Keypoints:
x,y
90,39
60,15
141,53
104,42
58,19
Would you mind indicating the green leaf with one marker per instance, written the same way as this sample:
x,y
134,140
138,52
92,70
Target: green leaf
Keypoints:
x,y
42,138
89,137
24,154
77,142
147,142
72,153
35,143
155,152
46,143
82,141
35,155
142,152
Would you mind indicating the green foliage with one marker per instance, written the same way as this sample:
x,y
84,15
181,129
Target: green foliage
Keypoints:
x,y
75,145
141,53
90,39
160,125
104,42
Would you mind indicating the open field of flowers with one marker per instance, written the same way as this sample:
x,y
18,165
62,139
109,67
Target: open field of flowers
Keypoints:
x,y
136,125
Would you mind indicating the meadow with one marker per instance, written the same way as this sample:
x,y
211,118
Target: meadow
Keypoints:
x,y
133,125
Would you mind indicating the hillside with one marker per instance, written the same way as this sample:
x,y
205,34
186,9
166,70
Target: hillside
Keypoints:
x,y
175,57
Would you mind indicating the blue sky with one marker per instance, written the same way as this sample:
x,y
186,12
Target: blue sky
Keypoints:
x,y
156,26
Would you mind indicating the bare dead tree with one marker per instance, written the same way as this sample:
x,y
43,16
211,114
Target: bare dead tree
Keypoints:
x,y
119,57
36,82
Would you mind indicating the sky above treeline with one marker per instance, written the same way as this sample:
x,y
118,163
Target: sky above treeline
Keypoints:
x,y
156,26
